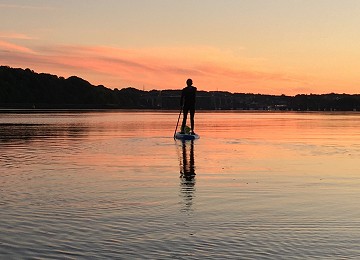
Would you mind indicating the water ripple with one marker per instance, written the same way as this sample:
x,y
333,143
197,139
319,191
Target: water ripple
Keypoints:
x,y
115,186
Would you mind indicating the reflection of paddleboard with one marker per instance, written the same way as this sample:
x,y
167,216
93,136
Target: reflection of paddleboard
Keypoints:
x,y
180,136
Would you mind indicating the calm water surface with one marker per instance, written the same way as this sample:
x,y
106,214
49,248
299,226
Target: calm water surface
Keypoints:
x,y
115,185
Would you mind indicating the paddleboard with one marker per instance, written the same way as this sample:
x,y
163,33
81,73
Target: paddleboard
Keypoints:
x,y
180,136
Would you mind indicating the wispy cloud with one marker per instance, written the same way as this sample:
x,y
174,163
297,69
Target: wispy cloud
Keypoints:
x,y
14,48
18,36
18,6
159,68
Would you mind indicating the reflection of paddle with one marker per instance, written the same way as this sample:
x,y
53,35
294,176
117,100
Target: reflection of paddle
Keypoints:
x,y
177,122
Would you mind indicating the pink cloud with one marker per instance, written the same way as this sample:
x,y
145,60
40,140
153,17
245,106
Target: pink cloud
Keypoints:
x,y
158,68
10,47
19,36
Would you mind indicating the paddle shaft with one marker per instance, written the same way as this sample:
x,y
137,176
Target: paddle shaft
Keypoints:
x,y
177,122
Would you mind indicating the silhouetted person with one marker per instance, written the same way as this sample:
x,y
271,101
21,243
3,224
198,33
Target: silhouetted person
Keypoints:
x,y
187,102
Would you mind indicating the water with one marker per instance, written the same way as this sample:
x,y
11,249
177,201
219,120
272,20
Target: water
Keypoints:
x,y
115,185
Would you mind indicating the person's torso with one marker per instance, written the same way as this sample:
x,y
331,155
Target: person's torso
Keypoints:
x,y
189,94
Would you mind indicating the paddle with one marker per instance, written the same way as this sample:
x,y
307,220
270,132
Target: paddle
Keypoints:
x,y
177,122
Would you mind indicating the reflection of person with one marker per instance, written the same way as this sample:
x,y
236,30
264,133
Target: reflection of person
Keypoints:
x,y
187,102
187,174
188,166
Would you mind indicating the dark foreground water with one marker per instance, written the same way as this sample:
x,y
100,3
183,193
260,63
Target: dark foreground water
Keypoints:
x,y
115,185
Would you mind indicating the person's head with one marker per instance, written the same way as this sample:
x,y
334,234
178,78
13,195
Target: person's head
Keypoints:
x,y
189,82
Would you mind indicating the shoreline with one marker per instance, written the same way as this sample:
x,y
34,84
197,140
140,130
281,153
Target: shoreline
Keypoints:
x,y
106,110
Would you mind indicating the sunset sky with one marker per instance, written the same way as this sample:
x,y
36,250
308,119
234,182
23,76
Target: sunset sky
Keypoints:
x,y
252,46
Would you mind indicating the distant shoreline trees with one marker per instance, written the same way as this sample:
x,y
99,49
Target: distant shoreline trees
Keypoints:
x,y
26,89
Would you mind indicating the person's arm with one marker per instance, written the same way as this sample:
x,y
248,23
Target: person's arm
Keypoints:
x,y
182,98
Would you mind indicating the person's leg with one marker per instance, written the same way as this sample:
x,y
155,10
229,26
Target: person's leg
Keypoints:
x,y
192,115
185,113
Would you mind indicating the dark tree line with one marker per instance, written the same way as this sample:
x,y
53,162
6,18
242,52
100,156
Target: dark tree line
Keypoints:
x,y
21,88
24,88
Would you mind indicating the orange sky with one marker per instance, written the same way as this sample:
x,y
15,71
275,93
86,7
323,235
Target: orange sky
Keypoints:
x,y
258,46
